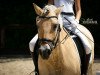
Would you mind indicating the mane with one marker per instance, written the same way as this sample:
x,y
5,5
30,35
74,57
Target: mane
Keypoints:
x,y
50,7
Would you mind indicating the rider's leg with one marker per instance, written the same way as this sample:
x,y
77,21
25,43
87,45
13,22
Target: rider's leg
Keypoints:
x,y
34,53
85,41
87,47
32,43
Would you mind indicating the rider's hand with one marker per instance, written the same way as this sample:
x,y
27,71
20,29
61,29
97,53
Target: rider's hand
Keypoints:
x,y
77,20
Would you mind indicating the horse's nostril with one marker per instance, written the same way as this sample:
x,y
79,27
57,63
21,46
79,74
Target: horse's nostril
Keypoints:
x,y
40,51
48,51
45,53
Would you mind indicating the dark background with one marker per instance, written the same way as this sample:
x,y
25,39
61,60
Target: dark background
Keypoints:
x,y
17,24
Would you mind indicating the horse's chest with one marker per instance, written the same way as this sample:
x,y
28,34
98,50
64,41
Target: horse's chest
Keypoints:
x,y
57,65
54,65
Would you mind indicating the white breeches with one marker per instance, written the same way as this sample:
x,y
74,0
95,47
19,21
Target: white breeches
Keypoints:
x,y
84,40
73,27
33,42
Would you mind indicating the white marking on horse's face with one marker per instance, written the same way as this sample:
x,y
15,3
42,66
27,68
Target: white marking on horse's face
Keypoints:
x,y
44,47
45,51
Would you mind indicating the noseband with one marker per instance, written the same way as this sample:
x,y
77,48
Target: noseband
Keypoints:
x,y
51,43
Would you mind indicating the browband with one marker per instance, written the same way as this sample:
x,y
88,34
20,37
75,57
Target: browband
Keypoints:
x,y
48,17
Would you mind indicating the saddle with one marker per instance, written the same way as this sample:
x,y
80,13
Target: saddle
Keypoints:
x,y
82,54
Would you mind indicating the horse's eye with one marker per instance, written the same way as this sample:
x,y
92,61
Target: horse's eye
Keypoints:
x,y
55,26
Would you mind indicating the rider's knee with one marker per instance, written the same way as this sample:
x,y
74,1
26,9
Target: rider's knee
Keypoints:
x,y
31,46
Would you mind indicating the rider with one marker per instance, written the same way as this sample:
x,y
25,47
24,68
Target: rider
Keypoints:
x,y
68,15
71,21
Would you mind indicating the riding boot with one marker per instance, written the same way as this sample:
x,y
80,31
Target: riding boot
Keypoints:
x,y
87,63
34,56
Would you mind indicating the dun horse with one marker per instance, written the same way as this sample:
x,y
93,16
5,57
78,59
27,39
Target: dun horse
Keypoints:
x,y
58,54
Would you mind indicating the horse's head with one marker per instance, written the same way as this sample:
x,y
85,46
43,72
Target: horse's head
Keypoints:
x,y
48,28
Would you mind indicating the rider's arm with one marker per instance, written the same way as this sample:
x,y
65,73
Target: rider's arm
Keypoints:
x,y
50,1
77,9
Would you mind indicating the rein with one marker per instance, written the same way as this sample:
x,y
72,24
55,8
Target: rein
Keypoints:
x,y
64,39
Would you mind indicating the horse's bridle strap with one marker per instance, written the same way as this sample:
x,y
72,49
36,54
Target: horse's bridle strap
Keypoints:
x,y
45,40
48,17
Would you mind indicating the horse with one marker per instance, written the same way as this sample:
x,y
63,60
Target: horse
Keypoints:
x,y
58,53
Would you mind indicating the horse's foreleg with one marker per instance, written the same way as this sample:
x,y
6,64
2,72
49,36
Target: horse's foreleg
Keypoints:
x,y
90,69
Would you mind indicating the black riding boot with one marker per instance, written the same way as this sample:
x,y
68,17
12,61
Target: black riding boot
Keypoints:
x,y
35,61
87,63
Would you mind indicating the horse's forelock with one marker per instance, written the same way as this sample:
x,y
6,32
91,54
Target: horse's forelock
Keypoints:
x,y
49,8
52,8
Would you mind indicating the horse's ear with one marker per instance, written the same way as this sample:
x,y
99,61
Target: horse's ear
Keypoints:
x,y
58,10
38,10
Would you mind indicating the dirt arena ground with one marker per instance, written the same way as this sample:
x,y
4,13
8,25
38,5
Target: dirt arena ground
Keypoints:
x,y
24,66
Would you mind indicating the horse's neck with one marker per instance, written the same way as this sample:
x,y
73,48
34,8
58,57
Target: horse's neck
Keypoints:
x,y
63,43
67,47
64,34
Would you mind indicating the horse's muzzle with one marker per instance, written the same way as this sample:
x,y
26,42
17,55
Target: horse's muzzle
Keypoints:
x,y
45,51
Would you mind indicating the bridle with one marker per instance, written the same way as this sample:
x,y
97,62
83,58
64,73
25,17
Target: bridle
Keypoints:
x,y
48,17
51,43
